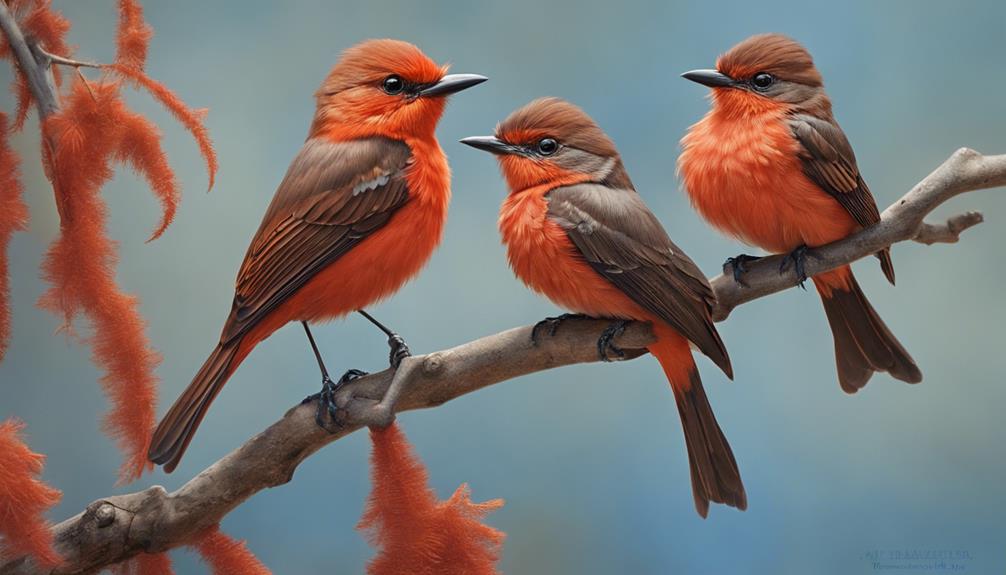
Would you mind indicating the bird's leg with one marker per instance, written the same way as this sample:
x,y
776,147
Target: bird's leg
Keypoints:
x,y
399,349
606,342
326,397
799,259
551,324
737,266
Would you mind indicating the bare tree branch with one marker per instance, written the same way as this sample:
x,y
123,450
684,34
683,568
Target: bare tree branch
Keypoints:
x,y
116,528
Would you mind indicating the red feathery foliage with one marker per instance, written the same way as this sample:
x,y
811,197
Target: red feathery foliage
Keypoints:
x,y
141,148
145,564
13,217
50,28
24,99
227,556
47,25
93,129
191,119
133,38
413,531
24,499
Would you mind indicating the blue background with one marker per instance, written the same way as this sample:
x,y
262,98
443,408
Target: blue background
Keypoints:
x,y
601,484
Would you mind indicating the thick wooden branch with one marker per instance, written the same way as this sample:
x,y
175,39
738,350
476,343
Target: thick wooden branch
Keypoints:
x,y
115,528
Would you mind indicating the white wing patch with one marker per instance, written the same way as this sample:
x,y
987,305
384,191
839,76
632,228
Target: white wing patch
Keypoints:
x,y
370,185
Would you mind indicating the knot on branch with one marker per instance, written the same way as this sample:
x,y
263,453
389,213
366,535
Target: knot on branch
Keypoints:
x,y
104,515
964,154
434,364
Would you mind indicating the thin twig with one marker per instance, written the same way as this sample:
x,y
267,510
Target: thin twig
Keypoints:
x,y
56,59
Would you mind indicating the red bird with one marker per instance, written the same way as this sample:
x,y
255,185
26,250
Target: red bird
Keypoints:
x,y
359,213
770,166
577,232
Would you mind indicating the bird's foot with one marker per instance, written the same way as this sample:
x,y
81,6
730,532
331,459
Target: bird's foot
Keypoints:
x,y
606,342
551,324
737,266
799,259
326,399
399,350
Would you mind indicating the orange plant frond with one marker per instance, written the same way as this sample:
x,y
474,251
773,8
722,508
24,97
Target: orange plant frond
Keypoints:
x,y
191,119
133,38
24,499
145,564
227,556
141,148
13,218
83,140
50,27
413,531
24,99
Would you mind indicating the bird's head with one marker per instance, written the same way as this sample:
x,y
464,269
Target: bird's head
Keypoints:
x,y
765,72
550,141
386,88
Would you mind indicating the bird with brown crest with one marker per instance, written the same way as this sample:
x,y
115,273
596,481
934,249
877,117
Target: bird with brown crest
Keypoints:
x,y
358,214
770,166
577,232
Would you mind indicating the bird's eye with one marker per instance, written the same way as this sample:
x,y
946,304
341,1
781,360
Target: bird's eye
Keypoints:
x,y
547,146
393,85
762,81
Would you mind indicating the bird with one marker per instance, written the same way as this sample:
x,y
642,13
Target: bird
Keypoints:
x,y
359,212
770,166
577,232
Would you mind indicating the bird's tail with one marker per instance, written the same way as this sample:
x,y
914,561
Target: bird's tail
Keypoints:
x,y
179,425
715,476
863,343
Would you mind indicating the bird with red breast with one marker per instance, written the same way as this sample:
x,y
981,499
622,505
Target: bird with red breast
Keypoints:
x,y
359,212
577,232
770,166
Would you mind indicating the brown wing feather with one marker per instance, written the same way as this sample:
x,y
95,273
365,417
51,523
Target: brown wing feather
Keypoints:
x,y
333,196
624,242
828,160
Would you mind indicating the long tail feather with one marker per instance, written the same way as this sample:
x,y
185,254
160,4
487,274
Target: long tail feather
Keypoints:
x,y
714,472
179,425
863,343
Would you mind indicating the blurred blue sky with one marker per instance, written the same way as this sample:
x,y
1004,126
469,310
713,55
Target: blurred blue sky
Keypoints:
x,y
604,487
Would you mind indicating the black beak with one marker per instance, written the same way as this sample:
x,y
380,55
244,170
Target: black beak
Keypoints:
x,y
490,144
452,83
711,78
